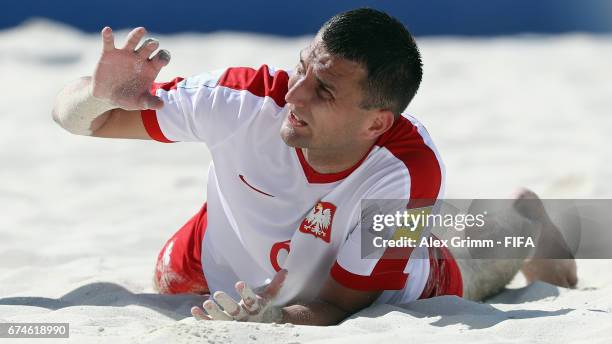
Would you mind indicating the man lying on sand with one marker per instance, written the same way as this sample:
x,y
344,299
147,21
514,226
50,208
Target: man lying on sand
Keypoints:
x,y
282,209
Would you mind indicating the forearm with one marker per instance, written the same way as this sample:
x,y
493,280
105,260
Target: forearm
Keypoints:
x,y
315,312
77,111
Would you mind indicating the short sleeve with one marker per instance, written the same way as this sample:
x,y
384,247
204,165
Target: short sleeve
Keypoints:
x,y
210,107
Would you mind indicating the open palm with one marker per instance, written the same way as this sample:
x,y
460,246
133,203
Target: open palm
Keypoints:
x,y
124,76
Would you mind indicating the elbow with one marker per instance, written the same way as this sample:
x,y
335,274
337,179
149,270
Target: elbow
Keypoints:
x,y
59,109
67,103
70,106
55,116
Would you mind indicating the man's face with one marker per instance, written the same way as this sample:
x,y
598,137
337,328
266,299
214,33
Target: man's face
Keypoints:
x,y
323,98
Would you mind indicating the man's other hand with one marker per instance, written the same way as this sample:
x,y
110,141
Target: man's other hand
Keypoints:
x,y
252,307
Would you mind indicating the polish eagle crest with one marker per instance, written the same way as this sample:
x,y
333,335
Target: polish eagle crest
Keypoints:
x,y
318,222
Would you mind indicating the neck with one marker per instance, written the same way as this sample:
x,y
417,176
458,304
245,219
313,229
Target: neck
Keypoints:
x,y
338,160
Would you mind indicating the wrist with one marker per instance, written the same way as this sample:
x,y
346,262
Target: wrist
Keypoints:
x,y
284,316
272,314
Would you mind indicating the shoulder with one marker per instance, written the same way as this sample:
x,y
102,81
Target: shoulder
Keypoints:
x,y
264,81
414,158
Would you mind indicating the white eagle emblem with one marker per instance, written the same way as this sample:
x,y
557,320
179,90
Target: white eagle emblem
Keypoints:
x,y
318,222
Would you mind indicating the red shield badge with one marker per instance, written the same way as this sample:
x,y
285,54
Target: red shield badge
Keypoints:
x,y
319,221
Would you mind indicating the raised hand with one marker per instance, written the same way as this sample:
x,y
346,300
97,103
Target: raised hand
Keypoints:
x,y
123,77
252,307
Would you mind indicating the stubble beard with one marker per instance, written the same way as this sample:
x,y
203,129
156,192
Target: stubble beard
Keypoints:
x,y
291,137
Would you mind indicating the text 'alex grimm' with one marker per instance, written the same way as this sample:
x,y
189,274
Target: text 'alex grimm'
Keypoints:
x,y
507,242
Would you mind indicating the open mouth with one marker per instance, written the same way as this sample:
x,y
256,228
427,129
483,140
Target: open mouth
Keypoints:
x,y
295,121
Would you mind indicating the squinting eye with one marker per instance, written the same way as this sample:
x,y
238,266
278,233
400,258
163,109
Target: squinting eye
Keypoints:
x,y
325,94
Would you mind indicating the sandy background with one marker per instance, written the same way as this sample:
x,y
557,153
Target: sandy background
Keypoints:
x,y
82,219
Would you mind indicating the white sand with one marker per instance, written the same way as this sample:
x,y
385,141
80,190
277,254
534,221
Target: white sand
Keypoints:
x,y
82,219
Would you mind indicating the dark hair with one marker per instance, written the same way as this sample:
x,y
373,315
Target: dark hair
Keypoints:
x,y
387,51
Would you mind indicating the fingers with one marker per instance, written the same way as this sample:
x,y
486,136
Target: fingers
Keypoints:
x,y
108,41
250,300
199,314
161,59
147,47
230,306
215,312
277,282
134,37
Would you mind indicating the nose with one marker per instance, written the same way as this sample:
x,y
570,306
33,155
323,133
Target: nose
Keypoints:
x,y
298,93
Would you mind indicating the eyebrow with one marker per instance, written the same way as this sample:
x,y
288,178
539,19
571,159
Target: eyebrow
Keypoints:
x,y
330,87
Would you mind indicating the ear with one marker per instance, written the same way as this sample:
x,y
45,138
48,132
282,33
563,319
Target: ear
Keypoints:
x,y
380,122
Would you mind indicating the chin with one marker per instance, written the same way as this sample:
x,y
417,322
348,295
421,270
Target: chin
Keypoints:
x,y
291,138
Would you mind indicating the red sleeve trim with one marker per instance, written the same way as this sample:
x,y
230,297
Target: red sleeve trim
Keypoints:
x,y
378,280
149,119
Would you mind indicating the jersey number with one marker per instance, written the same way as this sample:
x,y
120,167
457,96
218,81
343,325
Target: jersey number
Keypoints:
x,y
275,250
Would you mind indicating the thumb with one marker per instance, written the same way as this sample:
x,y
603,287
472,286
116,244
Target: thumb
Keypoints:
x,y
272,289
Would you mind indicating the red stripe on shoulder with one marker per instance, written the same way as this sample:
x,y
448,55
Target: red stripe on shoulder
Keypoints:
x,y
259,82
405,142
149,117
166,86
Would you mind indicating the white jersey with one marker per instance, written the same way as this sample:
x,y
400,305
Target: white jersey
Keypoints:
x,y
268,209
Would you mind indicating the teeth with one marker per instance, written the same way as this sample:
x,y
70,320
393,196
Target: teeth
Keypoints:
x,y
298,119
